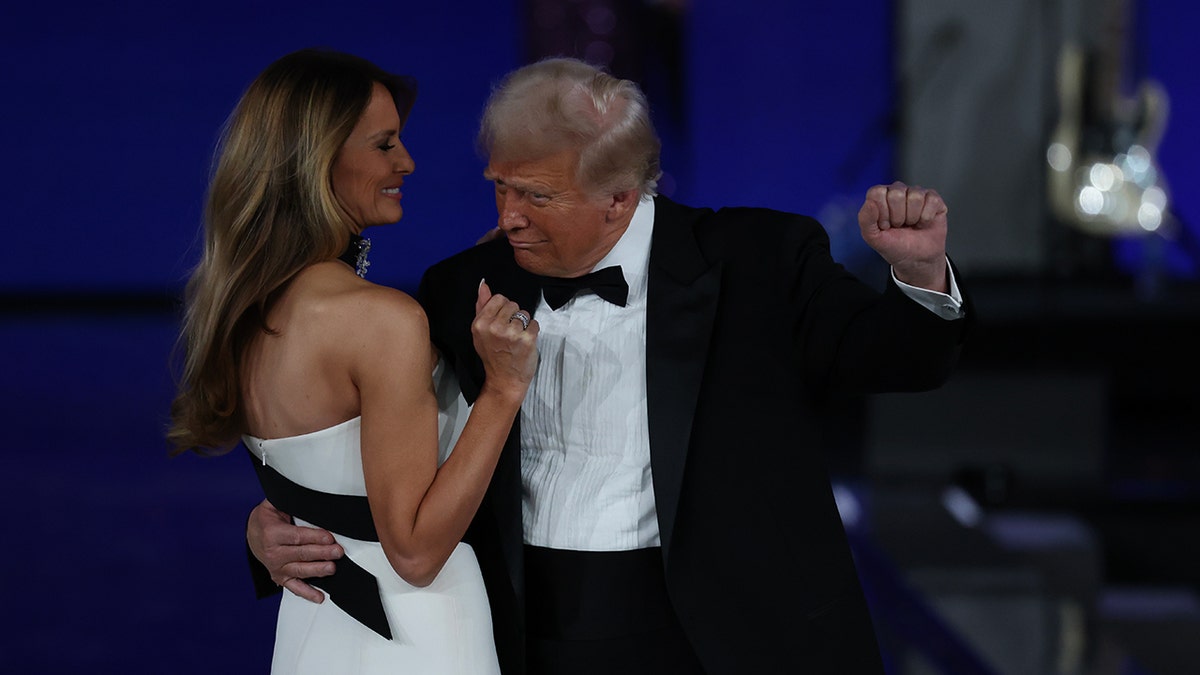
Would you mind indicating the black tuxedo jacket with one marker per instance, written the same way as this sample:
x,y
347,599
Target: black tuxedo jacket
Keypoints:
x,y
750,326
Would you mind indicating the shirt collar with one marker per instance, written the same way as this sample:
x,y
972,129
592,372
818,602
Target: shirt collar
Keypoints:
x,y
632,250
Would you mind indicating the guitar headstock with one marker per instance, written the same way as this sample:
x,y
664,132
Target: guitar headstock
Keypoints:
x,y
1104,176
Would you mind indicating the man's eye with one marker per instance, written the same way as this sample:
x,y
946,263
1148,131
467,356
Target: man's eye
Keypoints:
x,y
539,198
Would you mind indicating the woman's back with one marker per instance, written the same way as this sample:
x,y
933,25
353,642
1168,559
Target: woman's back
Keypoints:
x,y
298,379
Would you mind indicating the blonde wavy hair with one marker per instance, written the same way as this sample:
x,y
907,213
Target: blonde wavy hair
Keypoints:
x,y
270,212
559,104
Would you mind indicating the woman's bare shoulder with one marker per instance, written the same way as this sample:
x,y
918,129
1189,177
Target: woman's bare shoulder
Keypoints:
x,y
336,294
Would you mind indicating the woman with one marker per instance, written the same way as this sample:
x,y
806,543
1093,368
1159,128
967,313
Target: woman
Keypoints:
x,y
328,377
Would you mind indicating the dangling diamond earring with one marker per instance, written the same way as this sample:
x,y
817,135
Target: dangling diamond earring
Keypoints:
x,y
361,263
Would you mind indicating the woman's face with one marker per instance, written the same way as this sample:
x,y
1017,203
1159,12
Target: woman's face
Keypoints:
x,y
372,164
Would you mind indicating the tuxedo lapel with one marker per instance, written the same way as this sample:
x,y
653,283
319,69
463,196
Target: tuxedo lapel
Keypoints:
x,y
516,284
521,287
505,277
681,306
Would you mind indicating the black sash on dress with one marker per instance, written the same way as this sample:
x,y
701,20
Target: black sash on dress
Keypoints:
x,y
350,587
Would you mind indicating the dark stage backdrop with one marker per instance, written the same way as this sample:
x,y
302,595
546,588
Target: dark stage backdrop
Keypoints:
x,y
121,560
111,113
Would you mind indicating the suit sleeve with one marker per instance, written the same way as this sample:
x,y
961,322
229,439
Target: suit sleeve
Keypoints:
x,y
264,587
852,339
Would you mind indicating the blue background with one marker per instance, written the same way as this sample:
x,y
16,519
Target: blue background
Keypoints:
x,y
122,560
111,114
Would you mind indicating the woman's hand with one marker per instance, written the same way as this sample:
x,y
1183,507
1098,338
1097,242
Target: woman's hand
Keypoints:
x,y
505,338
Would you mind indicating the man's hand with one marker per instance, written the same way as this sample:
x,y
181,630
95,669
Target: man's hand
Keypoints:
x,y
290,552
907,226
494,233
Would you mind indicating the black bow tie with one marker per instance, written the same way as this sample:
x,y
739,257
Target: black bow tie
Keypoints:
x,y
607,283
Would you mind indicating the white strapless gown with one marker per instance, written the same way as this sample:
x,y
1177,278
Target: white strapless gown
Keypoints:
x,y
444,628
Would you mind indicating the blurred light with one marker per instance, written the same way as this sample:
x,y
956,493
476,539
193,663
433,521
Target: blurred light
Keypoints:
x,y
1111,202
1103,176
1138,159
847,505
1156,196
1149,216
960,505
1059,156
1139,167
1091,200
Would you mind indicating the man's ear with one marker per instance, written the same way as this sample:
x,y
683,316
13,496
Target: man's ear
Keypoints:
x,y
622,205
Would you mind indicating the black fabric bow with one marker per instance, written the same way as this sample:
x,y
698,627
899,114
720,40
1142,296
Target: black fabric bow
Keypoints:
x,y
607,283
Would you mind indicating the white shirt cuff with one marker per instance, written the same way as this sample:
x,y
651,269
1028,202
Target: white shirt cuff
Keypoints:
x,y
947,306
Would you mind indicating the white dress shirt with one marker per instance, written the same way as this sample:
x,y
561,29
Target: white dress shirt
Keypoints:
x,y
585,444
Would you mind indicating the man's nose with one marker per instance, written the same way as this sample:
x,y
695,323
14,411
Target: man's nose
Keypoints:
x,y
510,212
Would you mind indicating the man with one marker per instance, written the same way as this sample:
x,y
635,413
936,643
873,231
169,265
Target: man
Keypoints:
x,y
660,506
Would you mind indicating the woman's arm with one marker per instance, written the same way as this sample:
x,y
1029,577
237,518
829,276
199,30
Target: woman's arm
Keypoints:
x,y
421,511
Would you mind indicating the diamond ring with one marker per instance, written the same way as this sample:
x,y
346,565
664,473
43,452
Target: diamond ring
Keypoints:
x,y
524,319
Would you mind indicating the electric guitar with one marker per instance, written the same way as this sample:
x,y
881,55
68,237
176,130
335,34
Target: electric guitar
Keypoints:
x,y
1104,177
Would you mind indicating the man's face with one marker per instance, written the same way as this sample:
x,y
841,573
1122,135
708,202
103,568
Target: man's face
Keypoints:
x,y
555,227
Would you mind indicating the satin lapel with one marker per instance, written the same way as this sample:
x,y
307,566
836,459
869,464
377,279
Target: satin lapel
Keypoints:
x,y
506,278
516,284
509,280
681,306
